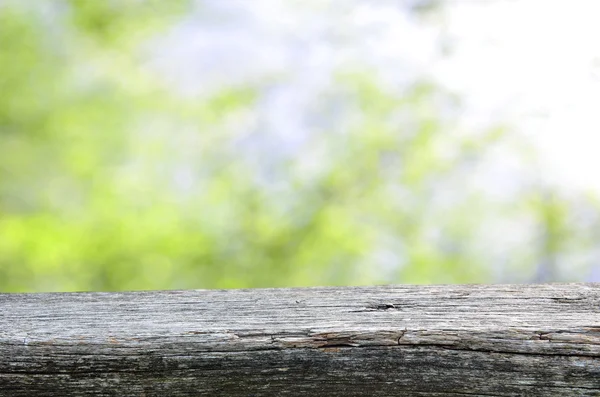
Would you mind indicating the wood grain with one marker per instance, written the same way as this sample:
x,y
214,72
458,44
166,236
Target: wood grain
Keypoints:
x,y
453,340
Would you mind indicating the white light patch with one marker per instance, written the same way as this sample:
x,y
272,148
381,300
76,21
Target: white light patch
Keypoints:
x,y
536,61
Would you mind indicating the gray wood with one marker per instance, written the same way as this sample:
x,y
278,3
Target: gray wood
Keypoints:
x,y
454,340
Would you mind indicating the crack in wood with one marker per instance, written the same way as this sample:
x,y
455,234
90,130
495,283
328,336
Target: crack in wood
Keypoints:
x,y
534,340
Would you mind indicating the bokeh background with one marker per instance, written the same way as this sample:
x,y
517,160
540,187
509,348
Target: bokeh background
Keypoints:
x,y
234,143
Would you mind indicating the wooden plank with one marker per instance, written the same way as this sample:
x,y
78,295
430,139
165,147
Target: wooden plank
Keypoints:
x,y
454,340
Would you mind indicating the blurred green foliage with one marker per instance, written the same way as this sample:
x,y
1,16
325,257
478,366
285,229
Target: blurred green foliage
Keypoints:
x,y
93,147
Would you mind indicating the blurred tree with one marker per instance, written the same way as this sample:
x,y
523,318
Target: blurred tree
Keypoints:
x,y
110,180
64,117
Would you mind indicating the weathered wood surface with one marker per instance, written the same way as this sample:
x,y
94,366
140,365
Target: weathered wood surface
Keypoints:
x,y
472,340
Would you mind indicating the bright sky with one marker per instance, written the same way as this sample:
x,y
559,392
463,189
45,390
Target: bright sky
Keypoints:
x,y
538,61
533,62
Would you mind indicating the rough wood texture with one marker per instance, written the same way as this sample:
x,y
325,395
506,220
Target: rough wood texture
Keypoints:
x,y
472,340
